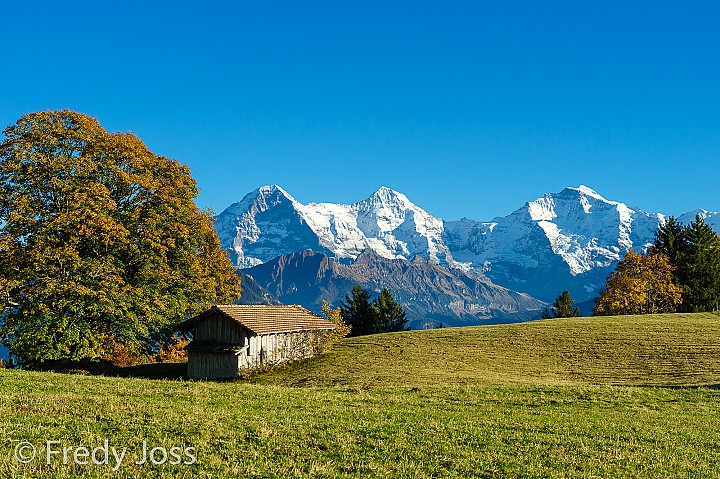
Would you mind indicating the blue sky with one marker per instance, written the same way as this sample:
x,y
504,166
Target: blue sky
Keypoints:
x,y
469,108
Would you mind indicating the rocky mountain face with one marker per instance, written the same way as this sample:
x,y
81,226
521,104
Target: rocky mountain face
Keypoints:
x,y
430,293
253,293
566,240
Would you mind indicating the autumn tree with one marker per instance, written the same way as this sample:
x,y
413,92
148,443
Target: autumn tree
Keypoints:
x,y
564,307
329,339
641,284
101,245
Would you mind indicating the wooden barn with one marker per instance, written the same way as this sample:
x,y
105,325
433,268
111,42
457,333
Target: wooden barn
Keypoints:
x,y
229,339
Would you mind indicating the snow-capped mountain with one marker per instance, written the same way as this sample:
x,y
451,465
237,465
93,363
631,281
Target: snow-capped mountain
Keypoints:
x,y
269,222
266,223
567,240
711,218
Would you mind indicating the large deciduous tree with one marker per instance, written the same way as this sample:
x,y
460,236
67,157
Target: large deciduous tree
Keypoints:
x,y
641,284
101,244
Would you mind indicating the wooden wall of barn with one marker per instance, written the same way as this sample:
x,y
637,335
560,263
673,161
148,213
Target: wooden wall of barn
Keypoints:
x,y
212,365
274,348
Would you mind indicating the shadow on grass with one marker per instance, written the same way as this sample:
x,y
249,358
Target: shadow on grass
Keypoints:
x,y
156,371
106,368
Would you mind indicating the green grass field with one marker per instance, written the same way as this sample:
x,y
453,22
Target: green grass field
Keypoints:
x,y
595,397
657,350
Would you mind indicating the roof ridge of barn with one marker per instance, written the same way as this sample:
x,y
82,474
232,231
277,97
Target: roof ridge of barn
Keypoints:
x,y
265,318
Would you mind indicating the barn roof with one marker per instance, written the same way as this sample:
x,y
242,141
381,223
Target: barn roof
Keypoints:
x,y
264,319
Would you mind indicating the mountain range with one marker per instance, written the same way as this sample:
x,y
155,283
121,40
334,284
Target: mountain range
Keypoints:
x,y
431,294
568,240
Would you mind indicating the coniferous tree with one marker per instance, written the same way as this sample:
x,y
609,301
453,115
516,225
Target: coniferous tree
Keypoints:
x,y
699,269
381,315
670,241
564,306
693,251
389,315
357,312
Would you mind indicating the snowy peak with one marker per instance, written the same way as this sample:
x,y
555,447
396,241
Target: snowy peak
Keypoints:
x,y
586,191
269,196
396,228
263,222
565,240
261,199
570,202
385,196
588,231
711,218
384,211
542,209
387,222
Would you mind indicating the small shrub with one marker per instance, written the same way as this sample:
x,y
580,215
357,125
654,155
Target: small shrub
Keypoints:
x,y
323,342
248,373
173,351
122,356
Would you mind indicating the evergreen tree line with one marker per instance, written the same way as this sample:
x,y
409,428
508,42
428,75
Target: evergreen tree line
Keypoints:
x,y
679,273
381,315
694,252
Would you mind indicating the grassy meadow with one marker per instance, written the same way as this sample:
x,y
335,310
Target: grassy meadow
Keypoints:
x,y
652,350
576,398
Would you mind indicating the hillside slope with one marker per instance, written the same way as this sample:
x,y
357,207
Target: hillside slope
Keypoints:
x,y
490,401
657,350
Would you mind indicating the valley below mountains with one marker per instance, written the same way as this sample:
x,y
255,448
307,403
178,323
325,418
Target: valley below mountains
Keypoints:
x,y
452,273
